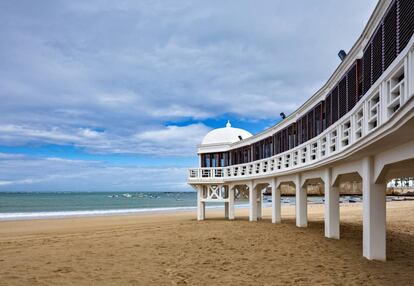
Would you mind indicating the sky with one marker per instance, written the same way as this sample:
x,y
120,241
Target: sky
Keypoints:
x,y
115,95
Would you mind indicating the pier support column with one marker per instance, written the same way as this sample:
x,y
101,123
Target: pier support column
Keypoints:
x,y
226,210
331,206
201,208
260,205
276,204
231,204
301,204
252,202
374,213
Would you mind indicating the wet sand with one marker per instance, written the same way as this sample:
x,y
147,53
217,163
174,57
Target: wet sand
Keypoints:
x,y
175,249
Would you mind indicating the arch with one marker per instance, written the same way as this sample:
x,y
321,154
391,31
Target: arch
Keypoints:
x,y
346,170
261,186
289,179
346,177
312,176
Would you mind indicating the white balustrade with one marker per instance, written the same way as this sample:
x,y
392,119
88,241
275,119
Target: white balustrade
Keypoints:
x,y
377,106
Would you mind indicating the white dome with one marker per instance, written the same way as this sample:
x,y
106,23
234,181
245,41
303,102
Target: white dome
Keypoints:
x,y
225,135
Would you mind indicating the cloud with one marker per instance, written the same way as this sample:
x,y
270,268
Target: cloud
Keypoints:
x,y
169,140
5,183
172,139
69,68
26,173
147,77
17,133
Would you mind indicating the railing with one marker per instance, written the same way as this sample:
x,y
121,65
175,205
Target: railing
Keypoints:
x,y
378,105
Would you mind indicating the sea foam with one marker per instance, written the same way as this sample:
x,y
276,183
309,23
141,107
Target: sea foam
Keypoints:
x,y
86,213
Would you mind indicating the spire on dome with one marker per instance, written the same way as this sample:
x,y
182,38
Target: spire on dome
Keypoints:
x,y
228,125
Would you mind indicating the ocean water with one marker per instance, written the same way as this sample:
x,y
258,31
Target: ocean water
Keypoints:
x,y
18,206
63,204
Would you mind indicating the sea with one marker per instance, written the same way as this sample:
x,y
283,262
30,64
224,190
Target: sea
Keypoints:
x,y
38,205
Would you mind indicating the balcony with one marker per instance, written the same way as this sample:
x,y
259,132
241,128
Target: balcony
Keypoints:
x,y
380,104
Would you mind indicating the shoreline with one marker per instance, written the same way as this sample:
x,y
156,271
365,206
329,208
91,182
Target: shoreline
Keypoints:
x,y
36,215
213,213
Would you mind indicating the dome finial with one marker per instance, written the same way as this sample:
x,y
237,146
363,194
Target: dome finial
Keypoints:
x,y
228,125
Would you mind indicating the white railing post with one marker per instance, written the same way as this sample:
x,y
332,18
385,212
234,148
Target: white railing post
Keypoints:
x,y
319,149
352,137
366,117
405,94
383,103
410,76
327,144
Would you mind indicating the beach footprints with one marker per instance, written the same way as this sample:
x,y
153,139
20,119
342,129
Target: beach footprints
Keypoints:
x,y
63,270
177,277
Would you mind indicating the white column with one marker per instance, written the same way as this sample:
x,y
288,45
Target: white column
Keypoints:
x,y
231,203
260,205
252,202
374,212
301,204
200,204
331,206
226,210
276,204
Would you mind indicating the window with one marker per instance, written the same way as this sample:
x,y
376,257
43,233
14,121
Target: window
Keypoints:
x,y
207,162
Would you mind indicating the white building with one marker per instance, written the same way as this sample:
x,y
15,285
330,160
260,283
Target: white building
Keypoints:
x,y
358,127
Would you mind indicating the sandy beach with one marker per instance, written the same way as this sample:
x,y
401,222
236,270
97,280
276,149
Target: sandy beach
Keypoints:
x,y
175,249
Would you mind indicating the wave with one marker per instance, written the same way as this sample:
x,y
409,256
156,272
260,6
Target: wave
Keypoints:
x,y
108,212
61,214
86,213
